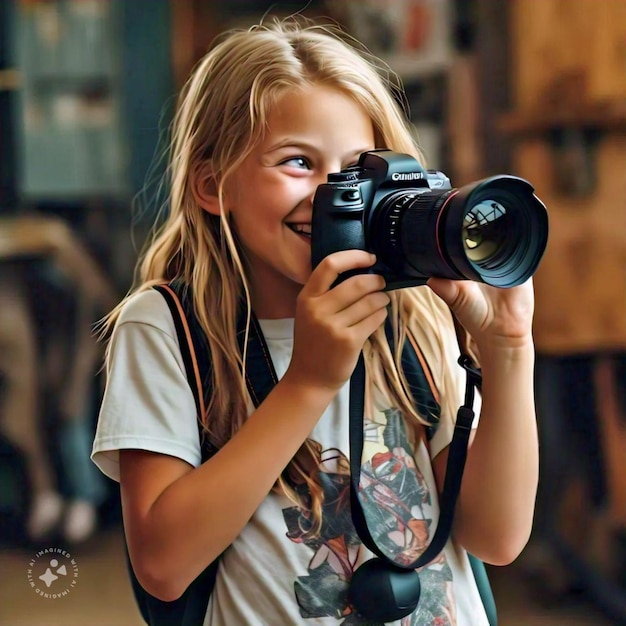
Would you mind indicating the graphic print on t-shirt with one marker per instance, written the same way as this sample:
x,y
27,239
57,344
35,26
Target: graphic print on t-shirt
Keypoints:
x,y
398,507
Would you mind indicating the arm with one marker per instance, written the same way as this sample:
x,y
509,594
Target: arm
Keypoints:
x,y
495,509
178,519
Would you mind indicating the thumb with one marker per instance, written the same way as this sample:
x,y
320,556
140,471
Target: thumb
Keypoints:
x,y
446,289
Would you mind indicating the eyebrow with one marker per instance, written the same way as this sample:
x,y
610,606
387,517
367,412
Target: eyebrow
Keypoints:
x,y
291,142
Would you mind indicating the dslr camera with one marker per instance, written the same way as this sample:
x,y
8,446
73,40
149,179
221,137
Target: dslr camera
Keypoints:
x,y
493,231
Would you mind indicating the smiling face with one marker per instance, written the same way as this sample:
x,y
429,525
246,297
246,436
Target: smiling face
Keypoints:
x,y
311,132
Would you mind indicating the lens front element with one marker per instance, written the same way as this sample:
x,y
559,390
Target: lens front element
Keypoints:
x,y
484,231
494,231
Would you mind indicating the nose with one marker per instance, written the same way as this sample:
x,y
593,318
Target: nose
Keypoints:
x,y
315,183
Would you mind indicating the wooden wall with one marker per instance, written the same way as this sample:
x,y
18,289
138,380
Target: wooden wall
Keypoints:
x,y
568,124
568,118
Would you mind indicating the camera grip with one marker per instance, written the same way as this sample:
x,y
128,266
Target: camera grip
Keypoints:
x,y
343,234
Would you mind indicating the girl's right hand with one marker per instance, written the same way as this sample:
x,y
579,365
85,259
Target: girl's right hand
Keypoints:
x,y
333,323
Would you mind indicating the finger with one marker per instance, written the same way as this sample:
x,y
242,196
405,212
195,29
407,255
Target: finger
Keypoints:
x,y
363,308
369,324
327,272
354,288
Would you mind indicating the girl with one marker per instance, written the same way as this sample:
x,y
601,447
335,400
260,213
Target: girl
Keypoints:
x,y
262,121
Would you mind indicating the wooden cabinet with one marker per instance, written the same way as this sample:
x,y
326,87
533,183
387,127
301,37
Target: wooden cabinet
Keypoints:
x,y
567,122
568,76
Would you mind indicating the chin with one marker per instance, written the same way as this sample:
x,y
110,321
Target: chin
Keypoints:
x,y
300,271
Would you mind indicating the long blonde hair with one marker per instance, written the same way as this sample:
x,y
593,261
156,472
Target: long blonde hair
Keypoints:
x,y
221,116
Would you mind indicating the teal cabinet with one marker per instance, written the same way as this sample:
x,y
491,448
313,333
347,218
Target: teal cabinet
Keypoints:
x,y
95,77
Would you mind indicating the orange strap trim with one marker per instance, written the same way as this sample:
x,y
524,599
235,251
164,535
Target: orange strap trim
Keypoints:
x,y
192,352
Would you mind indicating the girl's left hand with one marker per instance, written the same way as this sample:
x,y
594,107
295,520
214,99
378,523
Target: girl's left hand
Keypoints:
x,y
491,315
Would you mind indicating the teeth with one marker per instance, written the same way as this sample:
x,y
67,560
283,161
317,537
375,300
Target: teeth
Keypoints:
x,y
301,229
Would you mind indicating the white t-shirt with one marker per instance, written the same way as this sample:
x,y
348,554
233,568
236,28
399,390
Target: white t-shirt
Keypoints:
x,y
274,573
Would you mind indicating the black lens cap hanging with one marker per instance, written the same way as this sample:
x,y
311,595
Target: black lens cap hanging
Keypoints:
x,y
380,589
382,592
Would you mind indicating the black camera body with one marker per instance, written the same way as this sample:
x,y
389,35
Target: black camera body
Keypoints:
x,y
492,231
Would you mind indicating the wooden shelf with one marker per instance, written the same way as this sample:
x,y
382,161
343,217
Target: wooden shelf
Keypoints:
x,y
602,115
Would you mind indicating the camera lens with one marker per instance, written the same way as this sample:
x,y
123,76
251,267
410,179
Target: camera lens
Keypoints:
x,y
484,231
493,231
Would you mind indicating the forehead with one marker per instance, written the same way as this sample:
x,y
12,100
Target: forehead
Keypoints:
x,y
317,110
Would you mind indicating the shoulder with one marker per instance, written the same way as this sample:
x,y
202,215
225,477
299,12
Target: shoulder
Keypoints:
x,y
147,308
144,329
145,378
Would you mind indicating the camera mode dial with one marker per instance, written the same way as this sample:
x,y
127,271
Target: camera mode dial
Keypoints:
x,y
345,176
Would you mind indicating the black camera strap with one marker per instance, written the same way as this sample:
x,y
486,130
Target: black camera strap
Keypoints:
x,y
260,379
260,362
263,380
454,468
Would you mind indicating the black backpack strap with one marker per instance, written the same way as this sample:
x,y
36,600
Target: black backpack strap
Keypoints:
x,y
187,345
195,351
190,608
260,374
420,380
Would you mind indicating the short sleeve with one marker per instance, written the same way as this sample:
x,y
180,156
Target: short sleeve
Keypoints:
x,y
147,402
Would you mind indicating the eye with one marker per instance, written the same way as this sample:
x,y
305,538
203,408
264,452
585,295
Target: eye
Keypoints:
x,y
297,161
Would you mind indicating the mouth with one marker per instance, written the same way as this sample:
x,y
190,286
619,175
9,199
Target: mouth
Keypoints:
x,y
301,228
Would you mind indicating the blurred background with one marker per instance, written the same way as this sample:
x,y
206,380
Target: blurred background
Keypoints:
x,y
526,87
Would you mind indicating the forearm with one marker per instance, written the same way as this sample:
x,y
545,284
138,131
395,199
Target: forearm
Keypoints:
x,y
495,510
198,515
